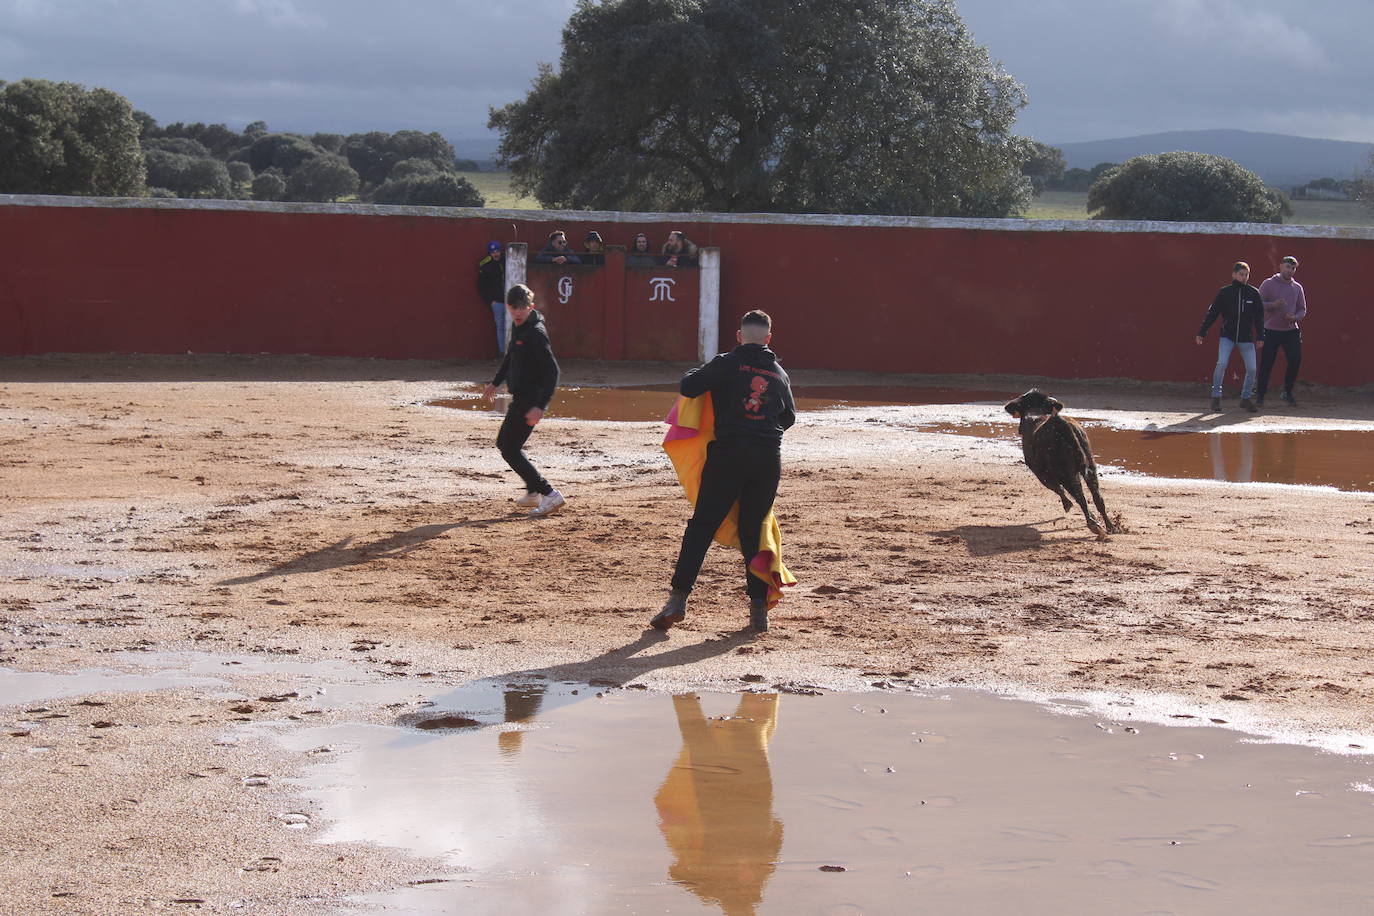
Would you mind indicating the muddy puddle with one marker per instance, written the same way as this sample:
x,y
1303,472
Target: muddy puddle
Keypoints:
x,y
1328,458
544,798
1325,458
652,402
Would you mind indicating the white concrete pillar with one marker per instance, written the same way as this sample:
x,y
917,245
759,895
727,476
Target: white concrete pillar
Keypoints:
x,y
517,256
708,313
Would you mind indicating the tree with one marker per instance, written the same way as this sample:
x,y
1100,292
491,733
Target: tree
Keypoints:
x,y
286,152
269,186
240,173
323,178
870,106
1043,165
429,189
188,176
1185,186
61,138
183,145
374,154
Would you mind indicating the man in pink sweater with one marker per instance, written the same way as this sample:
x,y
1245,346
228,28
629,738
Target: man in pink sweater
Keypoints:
x,y
1284,306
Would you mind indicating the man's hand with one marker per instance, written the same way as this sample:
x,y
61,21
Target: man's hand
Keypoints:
x,y
534,415
488,392
560,260
1198,340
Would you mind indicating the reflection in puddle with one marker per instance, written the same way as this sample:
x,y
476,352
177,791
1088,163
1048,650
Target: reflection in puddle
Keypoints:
x,y
1326,458
1330,458
715,808
633,802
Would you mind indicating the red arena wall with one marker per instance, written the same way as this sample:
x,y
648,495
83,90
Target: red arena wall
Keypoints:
x,y
1059,299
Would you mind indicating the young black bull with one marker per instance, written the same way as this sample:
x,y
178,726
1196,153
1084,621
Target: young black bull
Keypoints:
x,y
1058,453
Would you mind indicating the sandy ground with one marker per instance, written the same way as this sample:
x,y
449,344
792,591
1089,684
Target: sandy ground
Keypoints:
x,y
312,510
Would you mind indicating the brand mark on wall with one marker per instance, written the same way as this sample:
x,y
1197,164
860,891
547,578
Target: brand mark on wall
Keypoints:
x,y
663,289
565,289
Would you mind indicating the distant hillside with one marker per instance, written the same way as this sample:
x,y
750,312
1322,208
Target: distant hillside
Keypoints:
x,y
1279,159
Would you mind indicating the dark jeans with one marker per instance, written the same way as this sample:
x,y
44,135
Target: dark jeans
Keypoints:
x,y
1291,342
515,431
741,471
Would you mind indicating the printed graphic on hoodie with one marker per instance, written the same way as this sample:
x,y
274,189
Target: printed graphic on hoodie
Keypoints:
x,y
758,396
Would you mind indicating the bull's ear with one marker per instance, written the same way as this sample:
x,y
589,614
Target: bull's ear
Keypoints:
x,y
1055,404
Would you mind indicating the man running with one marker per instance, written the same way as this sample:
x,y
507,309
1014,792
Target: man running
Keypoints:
x,y
531,375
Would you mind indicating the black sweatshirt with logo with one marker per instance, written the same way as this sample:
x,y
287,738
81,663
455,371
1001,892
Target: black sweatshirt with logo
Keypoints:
x,y
1241,311
529,369
750,393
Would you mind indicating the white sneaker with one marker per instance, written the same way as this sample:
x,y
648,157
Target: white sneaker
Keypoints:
x,y
548,505
528,501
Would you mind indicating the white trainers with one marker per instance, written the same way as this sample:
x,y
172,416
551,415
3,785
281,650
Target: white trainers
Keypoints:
x,y
548,504
529,500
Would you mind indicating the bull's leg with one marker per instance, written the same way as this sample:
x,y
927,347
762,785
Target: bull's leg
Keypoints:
x,y
1075,488
1090,475
1063,495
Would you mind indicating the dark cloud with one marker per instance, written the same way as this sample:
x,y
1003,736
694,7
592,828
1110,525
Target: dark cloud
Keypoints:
x,y
1095,70
1092,69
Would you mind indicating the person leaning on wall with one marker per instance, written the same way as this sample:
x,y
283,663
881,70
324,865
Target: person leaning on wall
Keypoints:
x,y
679,251
557,251
596,249
640,255
491,286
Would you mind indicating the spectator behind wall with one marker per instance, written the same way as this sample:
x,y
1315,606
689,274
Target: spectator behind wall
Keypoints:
x,y
596,249
641,255
556,251
679,251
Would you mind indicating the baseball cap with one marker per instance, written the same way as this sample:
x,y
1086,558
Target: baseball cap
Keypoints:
x,y
493,246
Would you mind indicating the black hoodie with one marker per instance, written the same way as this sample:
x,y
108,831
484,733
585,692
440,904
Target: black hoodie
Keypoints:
x,y
529,369
1241,311
750,393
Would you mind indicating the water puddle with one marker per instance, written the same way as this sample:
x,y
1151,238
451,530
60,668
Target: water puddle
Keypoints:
x,y
652,402
557,798
19,688
1326,458
1329,458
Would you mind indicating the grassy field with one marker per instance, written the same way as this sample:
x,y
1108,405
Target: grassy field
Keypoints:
x,y
496,188
1074,205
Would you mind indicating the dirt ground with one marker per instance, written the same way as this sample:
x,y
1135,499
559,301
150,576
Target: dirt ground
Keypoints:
x,y
309,510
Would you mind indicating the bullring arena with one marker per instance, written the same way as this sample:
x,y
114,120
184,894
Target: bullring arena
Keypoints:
x,y
207,556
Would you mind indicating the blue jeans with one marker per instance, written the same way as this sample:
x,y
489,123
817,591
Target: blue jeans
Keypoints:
x,y
1247,354
498,312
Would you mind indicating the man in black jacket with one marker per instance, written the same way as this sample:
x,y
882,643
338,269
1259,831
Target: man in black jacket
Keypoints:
x,y
752,399
1242,328
491,286
531,375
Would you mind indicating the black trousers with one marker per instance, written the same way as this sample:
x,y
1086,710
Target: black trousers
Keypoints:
x,y
1291,342
742,471
515,432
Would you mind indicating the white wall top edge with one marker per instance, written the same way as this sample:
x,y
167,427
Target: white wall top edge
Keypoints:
x,y
777,219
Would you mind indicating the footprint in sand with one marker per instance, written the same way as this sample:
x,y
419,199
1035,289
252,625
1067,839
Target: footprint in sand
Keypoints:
x,y
879,836
1193,882
1038,836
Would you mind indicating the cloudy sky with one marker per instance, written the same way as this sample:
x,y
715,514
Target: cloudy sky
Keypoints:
x,y
1093,69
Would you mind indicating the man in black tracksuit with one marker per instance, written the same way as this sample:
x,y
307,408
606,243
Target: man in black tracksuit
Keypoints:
x,y
1242,327
531,375
752,399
